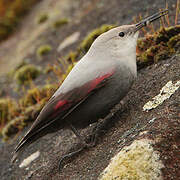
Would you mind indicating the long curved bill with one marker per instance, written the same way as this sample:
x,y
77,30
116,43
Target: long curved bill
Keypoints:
x,y
150,19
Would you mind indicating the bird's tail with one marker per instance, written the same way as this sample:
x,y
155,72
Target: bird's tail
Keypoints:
x,y
26,141
31,136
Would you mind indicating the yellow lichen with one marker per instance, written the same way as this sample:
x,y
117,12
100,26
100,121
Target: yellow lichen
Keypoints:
x,y
135,162
165,93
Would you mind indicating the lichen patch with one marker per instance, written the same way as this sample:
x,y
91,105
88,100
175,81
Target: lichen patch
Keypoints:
x,y
29,159
165,93
135,162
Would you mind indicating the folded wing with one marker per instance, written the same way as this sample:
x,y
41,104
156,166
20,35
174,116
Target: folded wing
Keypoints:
x,y
58,107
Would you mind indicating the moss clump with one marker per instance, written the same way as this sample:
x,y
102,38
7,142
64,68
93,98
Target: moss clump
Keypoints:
x,y
36,95
61,22
158,46
156,53
165,34
86,43
31,97
26,73
13,127
43,50
42,18
18,123
174,42
144,43
8,109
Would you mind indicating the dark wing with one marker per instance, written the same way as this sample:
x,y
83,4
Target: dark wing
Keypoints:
x,y
59,107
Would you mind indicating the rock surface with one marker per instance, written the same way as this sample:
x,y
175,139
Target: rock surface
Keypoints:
x,y
127,124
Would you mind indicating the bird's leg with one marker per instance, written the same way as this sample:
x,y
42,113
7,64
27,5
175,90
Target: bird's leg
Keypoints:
x,y
83,142
69,155
97,130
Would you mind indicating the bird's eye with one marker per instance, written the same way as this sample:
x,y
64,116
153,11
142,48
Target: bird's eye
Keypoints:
x,y
121,34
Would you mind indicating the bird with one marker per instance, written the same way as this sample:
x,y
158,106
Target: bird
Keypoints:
x,y
99,81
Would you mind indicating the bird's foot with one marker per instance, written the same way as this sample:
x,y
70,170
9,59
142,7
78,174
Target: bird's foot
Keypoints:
x,y
88,143
67,156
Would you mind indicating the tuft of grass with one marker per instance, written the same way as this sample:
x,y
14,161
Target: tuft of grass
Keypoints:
x,y
43,50
26,73
42,18
59,23
89,39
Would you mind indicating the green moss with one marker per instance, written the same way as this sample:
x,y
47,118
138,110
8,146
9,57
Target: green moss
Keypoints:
x,y
42,18
43,50
61,22
174,42
26,73
36,95
18,123
144,43
13,127
68,70
89,39
4,111
158,46
8,109
31,97
164,34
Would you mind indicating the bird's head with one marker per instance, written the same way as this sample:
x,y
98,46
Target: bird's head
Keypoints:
x,y
123,39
